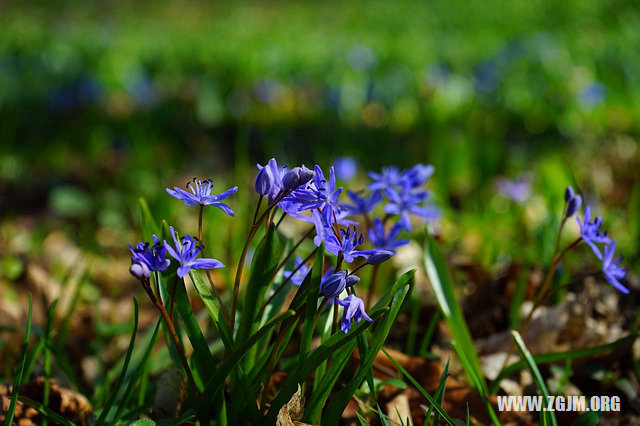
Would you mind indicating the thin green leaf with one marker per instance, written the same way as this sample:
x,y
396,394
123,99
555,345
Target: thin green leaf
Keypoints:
x,y
560,356
439,395
215,383
548,416
422,390
263,267
118,383
47,356
592,418
320,354
147,222
311,304
328,379
362,420
17,379
138,372
338,403
45,411
447,301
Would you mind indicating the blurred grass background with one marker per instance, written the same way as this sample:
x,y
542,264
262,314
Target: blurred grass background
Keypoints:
x,y
101,103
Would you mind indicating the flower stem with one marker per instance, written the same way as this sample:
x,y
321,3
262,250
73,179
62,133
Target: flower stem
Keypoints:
x,y
372,286
281,286
200,214
174,336
243,256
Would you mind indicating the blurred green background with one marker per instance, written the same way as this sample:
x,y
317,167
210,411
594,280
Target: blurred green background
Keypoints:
x,y
101,103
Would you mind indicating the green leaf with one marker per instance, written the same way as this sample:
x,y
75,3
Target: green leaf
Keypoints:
x,y
118,383
339,402
592,418
325,384
215,383
138,372
17,379
439,395
147,222
263,267
560,356
362,420
321,392
548,417
422,390
311,304
320,354
445,295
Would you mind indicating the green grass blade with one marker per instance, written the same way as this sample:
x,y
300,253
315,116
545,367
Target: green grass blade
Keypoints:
x,y
320,354
561,356
118,383
313,407
17,380
592,418
428,335
147,222
338,403
265,262
450,308
448,303
548,417
422,390
138,372
215,383
46,412
362,420
311,304
439,395
47,356
212,305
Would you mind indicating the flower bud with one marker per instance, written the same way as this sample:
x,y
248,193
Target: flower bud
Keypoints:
x,y
139,270
351,280
334,285
264,181
574,205
296,177
569,193
379,256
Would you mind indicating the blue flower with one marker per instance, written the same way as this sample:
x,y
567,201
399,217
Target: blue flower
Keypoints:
x,y
186,251
272,178
406,202
381,240
362,205
318,194
300,274
590,232
390,177
145,259
379,256
201,194
417,175
573,201
353,312
611,270
346,168
518,190
346,244
331,285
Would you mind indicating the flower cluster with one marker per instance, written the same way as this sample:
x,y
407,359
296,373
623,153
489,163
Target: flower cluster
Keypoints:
x,y
317,200
146,259
592,234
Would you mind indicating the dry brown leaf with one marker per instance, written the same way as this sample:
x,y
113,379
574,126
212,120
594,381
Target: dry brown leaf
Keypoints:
x,y
292,411
66,402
